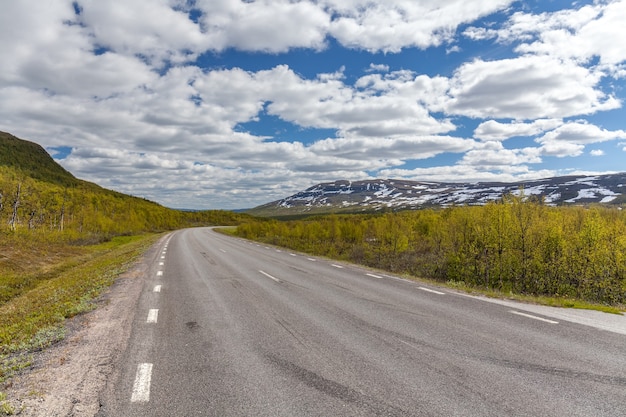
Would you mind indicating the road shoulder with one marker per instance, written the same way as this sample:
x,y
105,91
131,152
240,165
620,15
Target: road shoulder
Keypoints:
x,y
615,323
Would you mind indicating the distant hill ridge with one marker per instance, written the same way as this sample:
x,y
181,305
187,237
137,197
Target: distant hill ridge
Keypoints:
x,y
33,161
381,194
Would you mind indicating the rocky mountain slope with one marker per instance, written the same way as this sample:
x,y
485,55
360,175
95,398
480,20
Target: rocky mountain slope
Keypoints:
x,y
373,195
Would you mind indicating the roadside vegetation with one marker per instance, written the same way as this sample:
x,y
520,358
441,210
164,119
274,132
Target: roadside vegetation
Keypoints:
x,y
570,256
32,316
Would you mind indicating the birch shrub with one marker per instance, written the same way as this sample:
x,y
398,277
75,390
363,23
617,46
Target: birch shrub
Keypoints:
x,y
514,245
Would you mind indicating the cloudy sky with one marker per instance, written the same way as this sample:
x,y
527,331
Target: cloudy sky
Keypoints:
x,y
220,104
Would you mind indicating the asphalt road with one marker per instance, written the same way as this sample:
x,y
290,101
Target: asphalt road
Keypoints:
x,y
227,327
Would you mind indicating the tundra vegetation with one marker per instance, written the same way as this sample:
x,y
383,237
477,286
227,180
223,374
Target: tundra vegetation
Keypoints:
x,y
517,245
62,242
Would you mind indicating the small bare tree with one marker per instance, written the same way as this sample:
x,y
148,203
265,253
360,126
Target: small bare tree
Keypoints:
x,y
16,204
61,225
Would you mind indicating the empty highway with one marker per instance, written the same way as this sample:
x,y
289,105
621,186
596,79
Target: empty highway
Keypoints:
x,y
228,327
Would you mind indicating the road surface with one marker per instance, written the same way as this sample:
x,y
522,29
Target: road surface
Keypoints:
x,y
228,327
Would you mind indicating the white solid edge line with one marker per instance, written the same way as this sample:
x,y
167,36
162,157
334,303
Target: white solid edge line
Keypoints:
x,y
153,315
530,316
141,387
157,288
374,276
269,276
433,291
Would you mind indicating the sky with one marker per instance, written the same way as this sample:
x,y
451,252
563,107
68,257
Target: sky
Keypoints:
x,y
229,104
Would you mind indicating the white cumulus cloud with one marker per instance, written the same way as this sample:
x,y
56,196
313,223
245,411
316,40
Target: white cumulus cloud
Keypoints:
x,y
491,130
396,24
527,87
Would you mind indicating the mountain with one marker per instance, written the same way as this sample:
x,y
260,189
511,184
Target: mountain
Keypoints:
x,y
379,194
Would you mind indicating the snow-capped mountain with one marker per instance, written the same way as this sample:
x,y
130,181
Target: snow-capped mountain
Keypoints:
x,y
372,195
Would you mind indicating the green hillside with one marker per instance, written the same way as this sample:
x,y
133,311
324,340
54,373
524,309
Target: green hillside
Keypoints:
x,y
38,197
33,161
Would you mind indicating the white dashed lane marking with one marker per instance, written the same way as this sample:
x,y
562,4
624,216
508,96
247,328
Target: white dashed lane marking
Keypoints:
x,y
153,315
143,377
141,387
269,276
431,291
374,276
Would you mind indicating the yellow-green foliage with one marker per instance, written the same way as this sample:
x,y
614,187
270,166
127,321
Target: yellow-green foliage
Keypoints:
x,y
515,245
86,213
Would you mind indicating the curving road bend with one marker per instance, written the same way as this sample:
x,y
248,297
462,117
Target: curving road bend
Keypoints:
x,y
227,327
